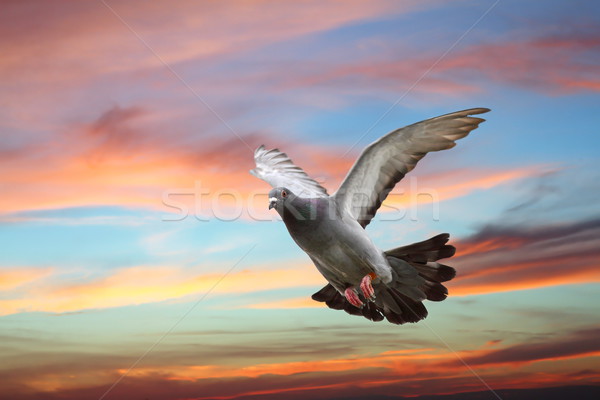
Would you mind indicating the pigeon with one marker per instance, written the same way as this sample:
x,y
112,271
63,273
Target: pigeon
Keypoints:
x,y
364,280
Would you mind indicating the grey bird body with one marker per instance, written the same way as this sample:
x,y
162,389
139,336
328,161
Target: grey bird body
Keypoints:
x,y
364,280
340,248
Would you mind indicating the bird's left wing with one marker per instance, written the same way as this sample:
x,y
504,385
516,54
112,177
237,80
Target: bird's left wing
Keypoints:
x,y
278,170
385,162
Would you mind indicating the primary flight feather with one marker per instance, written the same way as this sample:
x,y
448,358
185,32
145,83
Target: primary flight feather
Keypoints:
x,y
364,280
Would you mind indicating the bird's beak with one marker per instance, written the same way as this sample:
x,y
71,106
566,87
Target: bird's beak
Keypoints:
x,y
272,202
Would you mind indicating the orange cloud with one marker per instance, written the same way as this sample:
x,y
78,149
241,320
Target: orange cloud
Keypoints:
x,y
56,56
145,284
393,360
11,278
467,288
508,257
429,371
415,365
113,160
434,188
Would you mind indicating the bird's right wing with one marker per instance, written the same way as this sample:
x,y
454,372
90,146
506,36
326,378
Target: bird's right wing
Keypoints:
x,y
278,170
385,162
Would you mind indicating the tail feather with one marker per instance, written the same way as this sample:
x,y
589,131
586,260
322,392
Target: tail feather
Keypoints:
x,y
428,250
436,272
417,276
390,303
404,273
400,309
331,297
412,311
417,293
324,294
436,291
372,312
387,301
422,258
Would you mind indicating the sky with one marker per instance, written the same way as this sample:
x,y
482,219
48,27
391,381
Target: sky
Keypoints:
x,y
138,258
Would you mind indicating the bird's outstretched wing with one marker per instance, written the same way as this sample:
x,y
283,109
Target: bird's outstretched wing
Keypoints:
x,y
385,162
278,170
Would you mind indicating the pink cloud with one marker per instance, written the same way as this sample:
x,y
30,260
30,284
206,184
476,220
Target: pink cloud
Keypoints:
x,y
122,158
552,64
66,43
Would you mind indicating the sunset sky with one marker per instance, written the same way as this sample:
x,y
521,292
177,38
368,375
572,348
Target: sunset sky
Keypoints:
x,y
138,257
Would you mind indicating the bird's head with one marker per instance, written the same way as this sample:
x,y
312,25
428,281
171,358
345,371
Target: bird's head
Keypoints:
x,y
279,196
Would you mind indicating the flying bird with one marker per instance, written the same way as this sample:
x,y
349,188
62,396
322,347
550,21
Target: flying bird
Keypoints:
x,y
363,280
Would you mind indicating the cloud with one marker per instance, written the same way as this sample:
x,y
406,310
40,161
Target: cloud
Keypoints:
x,y
300,302
117,159
129,154
142,284
505,257
557,63
111,133
387,373
121,157
546,239
582,343
54,52
498,258
455,183
188,31
14,277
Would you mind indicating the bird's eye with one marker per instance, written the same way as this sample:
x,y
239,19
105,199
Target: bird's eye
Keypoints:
x,y
283,193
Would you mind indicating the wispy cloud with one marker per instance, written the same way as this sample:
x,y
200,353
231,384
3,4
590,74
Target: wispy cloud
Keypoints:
x,y
119,158
557,63
582,343
429,370
13,277
514,257
143,284
64,48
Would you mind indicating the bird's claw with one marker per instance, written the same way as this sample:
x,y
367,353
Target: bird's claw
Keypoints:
x,y
367,287
367,291
353,298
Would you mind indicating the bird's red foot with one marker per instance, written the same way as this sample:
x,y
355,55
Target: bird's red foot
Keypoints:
x,y
366,287
353,298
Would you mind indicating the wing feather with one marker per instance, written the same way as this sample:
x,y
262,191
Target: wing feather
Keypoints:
x,y
278,170
385,162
